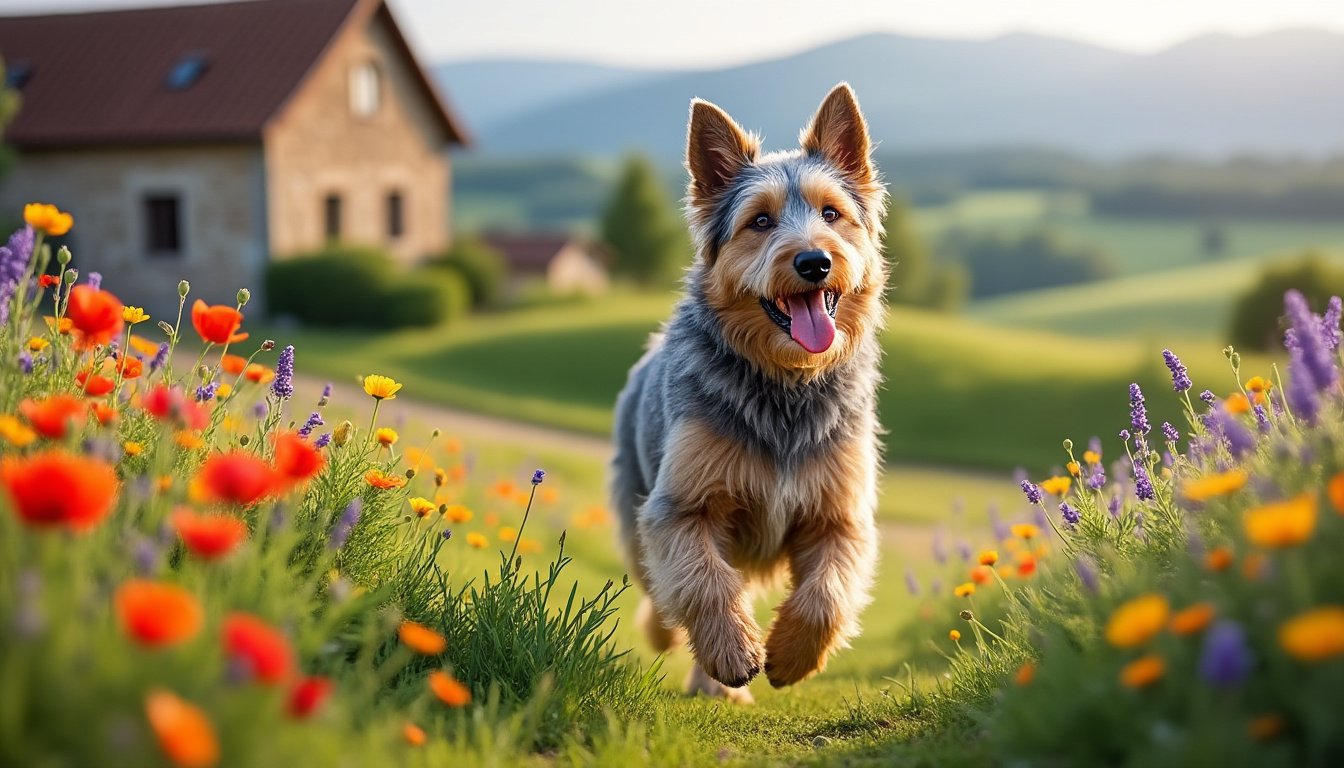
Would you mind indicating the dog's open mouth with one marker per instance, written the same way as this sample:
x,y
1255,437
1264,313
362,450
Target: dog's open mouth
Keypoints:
x,y
808,318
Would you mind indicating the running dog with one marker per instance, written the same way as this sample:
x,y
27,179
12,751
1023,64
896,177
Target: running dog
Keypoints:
x,y
747,435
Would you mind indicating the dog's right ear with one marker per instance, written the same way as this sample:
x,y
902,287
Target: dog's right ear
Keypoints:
x,y
716,149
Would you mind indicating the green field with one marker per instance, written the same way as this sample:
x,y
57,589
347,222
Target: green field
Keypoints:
x,y
957,391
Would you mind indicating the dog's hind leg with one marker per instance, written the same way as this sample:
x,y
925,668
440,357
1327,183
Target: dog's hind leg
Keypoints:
x,y
699,683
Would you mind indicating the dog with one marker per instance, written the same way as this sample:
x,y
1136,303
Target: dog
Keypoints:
x,y
747,435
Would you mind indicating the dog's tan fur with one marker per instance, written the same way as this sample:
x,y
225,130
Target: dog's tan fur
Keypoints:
x,y
723,517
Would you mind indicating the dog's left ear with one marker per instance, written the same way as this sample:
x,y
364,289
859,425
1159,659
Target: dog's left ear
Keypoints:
x,y
839,133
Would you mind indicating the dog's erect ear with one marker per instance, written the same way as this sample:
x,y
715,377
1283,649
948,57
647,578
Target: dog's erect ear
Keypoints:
x,y
839,133
716,149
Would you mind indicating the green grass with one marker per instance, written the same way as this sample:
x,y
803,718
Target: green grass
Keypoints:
x,y
957,391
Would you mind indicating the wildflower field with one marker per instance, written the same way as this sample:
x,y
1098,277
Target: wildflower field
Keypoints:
x,y
201,565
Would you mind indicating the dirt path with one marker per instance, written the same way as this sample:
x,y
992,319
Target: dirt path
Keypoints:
x,y
405,409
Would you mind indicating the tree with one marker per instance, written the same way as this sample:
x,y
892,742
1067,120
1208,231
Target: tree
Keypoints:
x,y
1255,317
914,278
1213,240
641,225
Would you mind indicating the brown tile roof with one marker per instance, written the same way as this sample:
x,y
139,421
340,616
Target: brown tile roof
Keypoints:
x,y
527,253
101,78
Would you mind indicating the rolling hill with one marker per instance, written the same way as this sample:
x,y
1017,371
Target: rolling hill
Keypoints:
x,y
1214,94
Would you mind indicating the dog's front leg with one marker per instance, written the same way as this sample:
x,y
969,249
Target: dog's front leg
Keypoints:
x,y
832,558
693,585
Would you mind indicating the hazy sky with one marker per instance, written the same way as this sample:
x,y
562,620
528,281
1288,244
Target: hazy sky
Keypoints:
x,y
706,33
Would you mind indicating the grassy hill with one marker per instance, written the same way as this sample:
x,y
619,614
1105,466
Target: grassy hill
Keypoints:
x,y
957,391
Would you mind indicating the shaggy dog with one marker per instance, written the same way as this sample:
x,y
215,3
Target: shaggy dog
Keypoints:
x,y
746,437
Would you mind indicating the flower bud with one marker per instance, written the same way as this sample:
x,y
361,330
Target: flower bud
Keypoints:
x,y
244,440
341,435
63,256
166,328
435,433
183,288
70,276
967,615
267,345
410,473
322,402
1236,360
1227,351
1068,444
244,296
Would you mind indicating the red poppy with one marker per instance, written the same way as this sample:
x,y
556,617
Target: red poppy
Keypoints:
x,y
209,537
266,651
95,314
256,372
48,281
235,478
307,695
296,460
93,384
56,488
184,732
156,614
105,413
53,416
232,364
217,324
166,403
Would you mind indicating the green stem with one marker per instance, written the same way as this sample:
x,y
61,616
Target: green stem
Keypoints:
x,y
523,524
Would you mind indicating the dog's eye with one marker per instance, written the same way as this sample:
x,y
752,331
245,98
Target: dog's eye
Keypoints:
x,y
830,215
762,221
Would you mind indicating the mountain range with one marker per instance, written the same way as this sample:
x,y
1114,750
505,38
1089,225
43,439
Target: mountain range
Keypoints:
x,y
1213,95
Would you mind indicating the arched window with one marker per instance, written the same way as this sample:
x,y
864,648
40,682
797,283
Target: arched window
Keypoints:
x,y
365,89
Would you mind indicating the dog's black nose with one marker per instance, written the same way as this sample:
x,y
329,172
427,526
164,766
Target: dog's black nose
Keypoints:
x,y
812,266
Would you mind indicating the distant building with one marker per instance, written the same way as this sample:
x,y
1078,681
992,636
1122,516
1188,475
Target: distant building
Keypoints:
x,y
201,141
566,264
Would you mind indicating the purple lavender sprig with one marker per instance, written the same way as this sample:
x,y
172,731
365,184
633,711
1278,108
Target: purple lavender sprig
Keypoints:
x,y
1143,485
1071,516
1180,379
1138,411
1032,491
345,524
314,421
283,386
14,258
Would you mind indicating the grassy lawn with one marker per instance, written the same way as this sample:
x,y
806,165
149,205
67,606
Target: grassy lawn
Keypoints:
x,y
957,391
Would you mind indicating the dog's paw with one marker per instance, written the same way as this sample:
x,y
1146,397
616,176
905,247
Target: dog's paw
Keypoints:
x,y
699,683
795,651
729,654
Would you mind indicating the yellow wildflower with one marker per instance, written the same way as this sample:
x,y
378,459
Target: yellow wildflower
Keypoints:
x,y
225,389
954,635
1237,403
189,440
1026,531
476,540
1282,523
134,315
1259,384
457,513
15,432
989,557
422,507
37,344
508,533
1135,622
1315,635
1074,468
1214,484
386,436
381,387
1056,486
48,218
144,346
964,590
1091,457
132,448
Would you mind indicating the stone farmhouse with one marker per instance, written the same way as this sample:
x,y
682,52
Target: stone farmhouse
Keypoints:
x,y
201,141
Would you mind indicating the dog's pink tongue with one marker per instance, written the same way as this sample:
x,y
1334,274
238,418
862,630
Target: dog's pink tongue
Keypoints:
x,y
811,325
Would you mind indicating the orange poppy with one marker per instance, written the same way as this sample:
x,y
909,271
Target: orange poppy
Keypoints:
x,y
1193,619
382,480
144,346
307,695
104,413
235,478
48,218
414,735
93,384
52,416
256,372
94,314
156,614
209,537
1218,559
448,689
130,367
56,488
184,732
982,574
262,647
169,404
232,364
296,460
217,324
48,281
421,639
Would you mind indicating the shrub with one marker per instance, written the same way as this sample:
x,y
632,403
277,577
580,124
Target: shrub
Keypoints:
x,y
642,227
480,266
1001,264
340,285
426,297
1255,316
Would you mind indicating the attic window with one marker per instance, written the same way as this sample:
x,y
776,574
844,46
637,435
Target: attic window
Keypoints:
x,y
187,71
18,73
365,89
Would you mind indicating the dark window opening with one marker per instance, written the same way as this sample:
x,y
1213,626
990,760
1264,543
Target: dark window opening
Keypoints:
x,y
333,216
187,71
163,225
396,224
18,73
